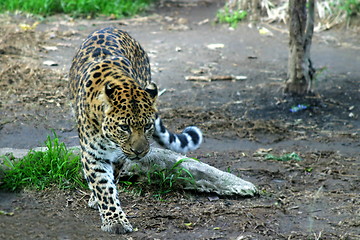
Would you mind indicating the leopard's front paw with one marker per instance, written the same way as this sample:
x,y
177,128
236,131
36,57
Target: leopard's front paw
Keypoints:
x,y
93,203
119,226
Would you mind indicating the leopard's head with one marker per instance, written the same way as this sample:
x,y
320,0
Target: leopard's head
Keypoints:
x,y
129,115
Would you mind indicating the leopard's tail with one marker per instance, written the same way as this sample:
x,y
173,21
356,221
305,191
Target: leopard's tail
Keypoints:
x,y
190,138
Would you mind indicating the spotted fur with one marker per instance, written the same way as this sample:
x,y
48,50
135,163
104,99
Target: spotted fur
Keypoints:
x,y
114,100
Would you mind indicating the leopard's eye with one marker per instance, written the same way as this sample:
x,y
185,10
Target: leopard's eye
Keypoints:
x,y
125,128
148,126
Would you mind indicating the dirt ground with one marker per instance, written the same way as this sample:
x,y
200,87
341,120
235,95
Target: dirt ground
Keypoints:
x,y
243,120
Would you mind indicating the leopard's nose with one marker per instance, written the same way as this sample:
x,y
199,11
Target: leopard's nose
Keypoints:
x,y
138,152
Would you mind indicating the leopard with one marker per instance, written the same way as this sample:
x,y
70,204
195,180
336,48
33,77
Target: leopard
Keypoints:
x,y
114,100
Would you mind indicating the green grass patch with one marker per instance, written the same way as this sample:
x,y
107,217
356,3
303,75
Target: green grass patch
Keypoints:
x,y
166,180
232,17
59,167
284,157
77,8
351,7
161,181
55,167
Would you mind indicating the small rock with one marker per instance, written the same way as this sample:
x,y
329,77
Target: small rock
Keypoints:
x,y
50,48
182,21
50,63
214,46
240,77
178,27
265,31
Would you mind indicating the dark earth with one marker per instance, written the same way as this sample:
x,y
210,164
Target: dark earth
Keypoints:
x,y
243,120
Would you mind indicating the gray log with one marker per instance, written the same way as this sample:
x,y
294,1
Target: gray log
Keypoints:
x,y
206,177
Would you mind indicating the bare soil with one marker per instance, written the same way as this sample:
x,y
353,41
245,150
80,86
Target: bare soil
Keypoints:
x,y
243,120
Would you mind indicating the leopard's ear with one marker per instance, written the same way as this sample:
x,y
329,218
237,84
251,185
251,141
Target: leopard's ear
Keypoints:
x,y
152,90
107,96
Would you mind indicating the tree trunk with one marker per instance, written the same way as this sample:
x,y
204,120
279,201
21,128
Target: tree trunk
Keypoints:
x,y
301,28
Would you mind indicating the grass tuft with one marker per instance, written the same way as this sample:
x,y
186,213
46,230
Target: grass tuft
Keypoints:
x,y
166,180
232,17
284,158
57,166
161,181
351,7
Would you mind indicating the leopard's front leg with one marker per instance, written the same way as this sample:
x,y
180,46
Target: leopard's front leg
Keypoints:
x,y
100,177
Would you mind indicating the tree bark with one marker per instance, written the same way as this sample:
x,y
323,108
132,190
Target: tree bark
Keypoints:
x,y
301,28
206,178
